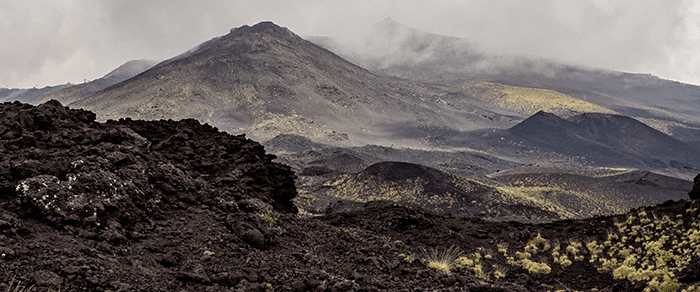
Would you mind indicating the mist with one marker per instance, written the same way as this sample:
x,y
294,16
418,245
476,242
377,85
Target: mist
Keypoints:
x,y
54,42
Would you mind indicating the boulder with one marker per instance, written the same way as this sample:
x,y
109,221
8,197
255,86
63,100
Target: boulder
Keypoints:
x,y
695,192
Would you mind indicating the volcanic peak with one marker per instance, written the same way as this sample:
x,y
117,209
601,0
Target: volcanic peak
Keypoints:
x,y
543,125
262,27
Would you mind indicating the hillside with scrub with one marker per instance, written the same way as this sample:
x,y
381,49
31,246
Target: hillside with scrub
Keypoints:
x,y
132,205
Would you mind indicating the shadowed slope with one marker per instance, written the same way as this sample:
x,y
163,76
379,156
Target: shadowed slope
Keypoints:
x,y
610,140
629,135
527,194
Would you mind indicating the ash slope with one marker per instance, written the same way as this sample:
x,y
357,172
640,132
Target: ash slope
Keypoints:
x,y
180,206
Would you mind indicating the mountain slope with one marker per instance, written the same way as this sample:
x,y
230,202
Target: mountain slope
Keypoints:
x,y
28,95
80,91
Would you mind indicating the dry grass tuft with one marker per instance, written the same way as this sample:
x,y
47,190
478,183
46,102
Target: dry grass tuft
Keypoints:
x,y
441,260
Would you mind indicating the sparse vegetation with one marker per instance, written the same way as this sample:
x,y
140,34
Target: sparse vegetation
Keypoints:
x,y
18,287
406,258
531,100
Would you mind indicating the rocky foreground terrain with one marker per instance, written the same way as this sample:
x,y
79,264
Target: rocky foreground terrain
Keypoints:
x,y
179,206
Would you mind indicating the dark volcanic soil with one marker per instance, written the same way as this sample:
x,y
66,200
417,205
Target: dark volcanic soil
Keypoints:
x,y
179,206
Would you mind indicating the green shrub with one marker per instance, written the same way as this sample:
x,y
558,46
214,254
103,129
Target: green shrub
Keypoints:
x,y
668,285
694,236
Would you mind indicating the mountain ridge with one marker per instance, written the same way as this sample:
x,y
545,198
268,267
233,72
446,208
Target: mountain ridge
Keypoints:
x,y
80,91
449,61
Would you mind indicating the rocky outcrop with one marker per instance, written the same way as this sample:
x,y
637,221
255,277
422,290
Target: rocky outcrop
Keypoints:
x,y
69,169
695,192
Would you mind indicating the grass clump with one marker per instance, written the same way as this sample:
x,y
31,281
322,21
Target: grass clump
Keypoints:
x,y
503,248
499,273
532,245
535,268
406,258
464,262
442,260
269,218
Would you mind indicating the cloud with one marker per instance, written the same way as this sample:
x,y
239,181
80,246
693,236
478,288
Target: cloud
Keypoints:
x,y
48,42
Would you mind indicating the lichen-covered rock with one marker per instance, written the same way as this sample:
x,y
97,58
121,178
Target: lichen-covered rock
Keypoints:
x,y
82,197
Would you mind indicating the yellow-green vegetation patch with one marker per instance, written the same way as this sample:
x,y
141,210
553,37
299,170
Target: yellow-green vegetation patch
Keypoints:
x,y
525,260
406,258
271,125
559,200
411,191
482,264
528,101
269,218
661,248
655,260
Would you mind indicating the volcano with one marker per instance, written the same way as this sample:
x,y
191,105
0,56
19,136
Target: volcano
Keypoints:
x,y
264,80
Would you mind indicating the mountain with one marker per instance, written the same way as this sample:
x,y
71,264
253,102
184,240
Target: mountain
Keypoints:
x,y
265,81
28,95
393,49
80,91
604,137
68,93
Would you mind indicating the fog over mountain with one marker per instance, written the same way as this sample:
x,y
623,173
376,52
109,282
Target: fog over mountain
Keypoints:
x,y
49,42
389,159
266,81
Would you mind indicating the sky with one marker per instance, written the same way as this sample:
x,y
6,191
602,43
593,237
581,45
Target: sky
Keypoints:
x,y
48,42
